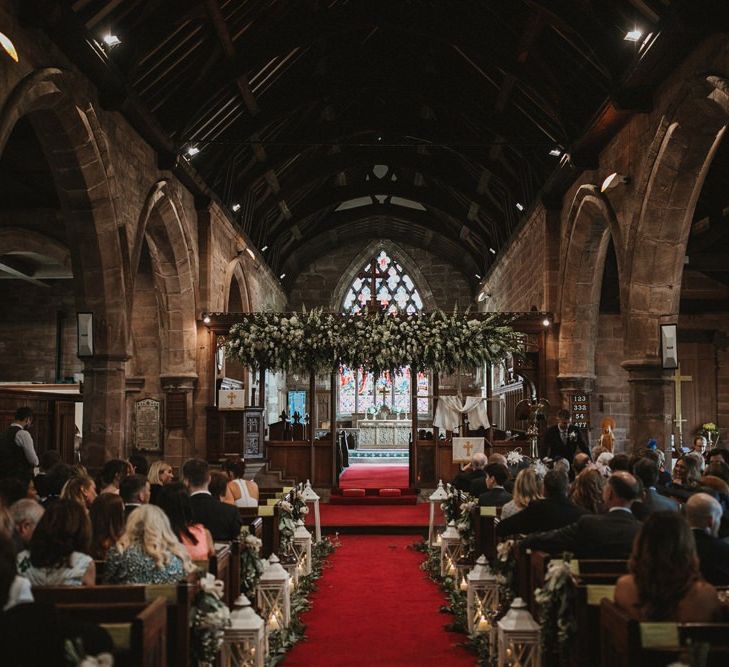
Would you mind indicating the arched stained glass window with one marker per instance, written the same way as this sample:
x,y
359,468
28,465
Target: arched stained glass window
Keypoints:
x,y
395,291
394,288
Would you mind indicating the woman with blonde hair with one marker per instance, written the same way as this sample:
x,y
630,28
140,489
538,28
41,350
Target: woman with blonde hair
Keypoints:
x,y
587,490
82,489
527,487
160,473
148,552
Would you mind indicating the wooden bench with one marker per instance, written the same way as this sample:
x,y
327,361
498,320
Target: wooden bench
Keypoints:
x,y
138,629
178,597
485,520
626,642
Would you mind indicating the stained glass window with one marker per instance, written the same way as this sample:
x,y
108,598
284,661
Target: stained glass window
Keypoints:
x,y
396,292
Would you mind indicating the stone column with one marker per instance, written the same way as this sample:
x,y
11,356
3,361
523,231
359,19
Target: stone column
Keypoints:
x,y
651,404
104,427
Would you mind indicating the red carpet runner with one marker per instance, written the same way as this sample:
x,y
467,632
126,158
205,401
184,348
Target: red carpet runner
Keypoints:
x,y
374,476
369,515
374,606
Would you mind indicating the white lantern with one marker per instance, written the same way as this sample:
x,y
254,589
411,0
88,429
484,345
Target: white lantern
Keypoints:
x,y
519,637
311,497
302,548
290,563
482,597
437,497
450,550
274,601
244,640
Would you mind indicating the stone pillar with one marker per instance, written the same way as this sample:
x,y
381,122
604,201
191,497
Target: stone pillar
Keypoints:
x,y
179,442
651,404
104,427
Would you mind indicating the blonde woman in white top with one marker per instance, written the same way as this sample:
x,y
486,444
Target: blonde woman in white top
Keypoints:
x,y
241,492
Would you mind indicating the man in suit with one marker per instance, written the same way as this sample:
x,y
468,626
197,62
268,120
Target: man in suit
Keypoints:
x,y
608,535
134,490
478,485
555,511
495,495
473,471
646,471
704,516
563,439
223,521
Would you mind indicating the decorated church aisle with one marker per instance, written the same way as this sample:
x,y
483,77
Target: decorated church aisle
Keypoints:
x,y
375,606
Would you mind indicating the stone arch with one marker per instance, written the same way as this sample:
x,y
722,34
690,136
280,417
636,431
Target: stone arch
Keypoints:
x,y
681,155
236,286
15,239
162,231
591,224
365,255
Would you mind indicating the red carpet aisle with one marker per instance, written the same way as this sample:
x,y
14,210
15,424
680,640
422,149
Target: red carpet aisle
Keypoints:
x,y
369,515
374,606
374,476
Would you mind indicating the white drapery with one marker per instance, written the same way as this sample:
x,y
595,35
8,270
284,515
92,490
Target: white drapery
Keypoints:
x,y
449,410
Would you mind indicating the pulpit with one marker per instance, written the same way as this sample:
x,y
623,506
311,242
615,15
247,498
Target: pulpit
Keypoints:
x,y
235,432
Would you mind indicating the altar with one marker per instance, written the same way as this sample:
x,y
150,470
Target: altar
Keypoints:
x,y
383,433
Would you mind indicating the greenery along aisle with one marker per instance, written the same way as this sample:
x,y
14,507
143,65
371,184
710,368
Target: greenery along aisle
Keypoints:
x,y
317,341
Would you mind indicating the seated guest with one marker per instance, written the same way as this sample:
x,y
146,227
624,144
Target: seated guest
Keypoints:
x,y
586,490
82,489
664,477
244,492
703,514
148,552
14,589
608,535
107,524
47,459
699,445
134,491
526,489
650,501
685,478
700,462
580,463
160,473
495,495
139,464
174,501
55,480
26,514
218,487
719,455
664,583
620,462
112,474
478,485
472,471
555,511
718,469
715,486
58,551
223,521
13,489
562,465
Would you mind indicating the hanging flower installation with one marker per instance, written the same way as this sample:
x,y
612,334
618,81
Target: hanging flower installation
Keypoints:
x,y
317,341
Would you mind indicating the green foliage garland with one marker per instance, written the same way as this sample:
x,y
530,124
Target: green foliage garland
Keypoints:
x,y
251,565
376,342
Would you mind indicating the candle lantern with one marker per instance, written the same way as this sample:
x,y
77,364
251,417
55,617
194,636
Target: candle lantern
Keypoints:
x,y
518,636
436,498
302,548
290,563
274,601
450,550
244,640
482,597
463,566
311,497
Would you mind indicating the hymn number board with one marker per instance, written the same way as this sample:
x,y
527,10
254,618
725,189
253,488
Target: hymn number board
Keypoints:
x,y
580,410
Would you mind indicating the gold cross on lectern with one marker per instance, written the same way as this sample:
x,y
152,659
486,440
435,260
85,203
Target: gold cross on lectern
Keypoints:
x,y
468,447
677,380
231,398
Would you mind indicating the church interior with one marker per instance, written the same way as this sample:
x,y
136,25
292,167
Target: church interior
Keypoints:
x,y
435,288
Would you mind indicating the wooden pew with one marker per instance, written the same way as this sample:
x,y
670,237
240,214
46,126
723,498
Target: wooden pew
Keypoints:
x,y
138,629
179,599
626,642
485,520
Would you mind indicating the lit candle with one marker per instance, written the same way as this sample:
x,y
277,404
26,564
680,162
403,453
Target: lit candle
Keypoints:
x,y
464,585
273,622
437,539
484,625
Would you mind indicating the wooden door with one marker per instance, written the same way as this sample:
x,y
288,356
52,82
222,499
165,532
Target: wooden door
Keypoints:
x,y
698,397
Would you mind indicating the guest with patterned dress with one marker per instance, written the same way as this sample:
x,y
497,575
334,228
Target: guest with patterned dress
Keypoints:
x,y
148,552
58,552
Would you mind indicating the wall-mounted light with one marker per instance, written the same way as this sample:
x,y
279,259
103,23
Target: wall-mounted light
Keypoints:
x,y
111,41
633,35
478,277
555,152
206,318
264,248
192,151
235,208
546,322
282,276
519,206
613,181
8,46
492,251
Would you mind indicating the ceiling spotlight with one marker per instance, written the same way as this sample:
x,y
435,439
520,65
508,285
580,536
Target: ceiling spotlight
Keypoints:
x,y
111,40
379,138
546,322
192,150
264,248
613,181
477,276
520,206
235,208
633,35
251,253
8,46
555,152
492,251
206,319
282,276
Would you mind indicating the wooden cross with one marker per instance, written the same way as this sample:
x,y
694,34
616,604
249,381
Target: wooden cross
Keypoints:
x,y
677,380
372,274
231,397
468,447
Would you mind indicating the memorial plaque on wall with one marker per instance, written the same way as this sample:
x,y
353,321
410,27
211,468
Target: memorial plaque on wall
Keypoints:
x,y
147,425
580,410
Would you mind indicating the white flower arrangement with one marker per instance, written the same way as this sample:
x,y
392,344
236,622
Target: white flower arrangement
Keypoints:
x,y
514,457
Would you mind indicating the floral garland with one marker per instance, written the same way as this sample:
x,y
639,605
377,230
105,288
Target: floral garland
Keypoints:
x,y
504,568
300,508
465,527
451,506
210,616
557,602
318,341
286,526
251,565
76,655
